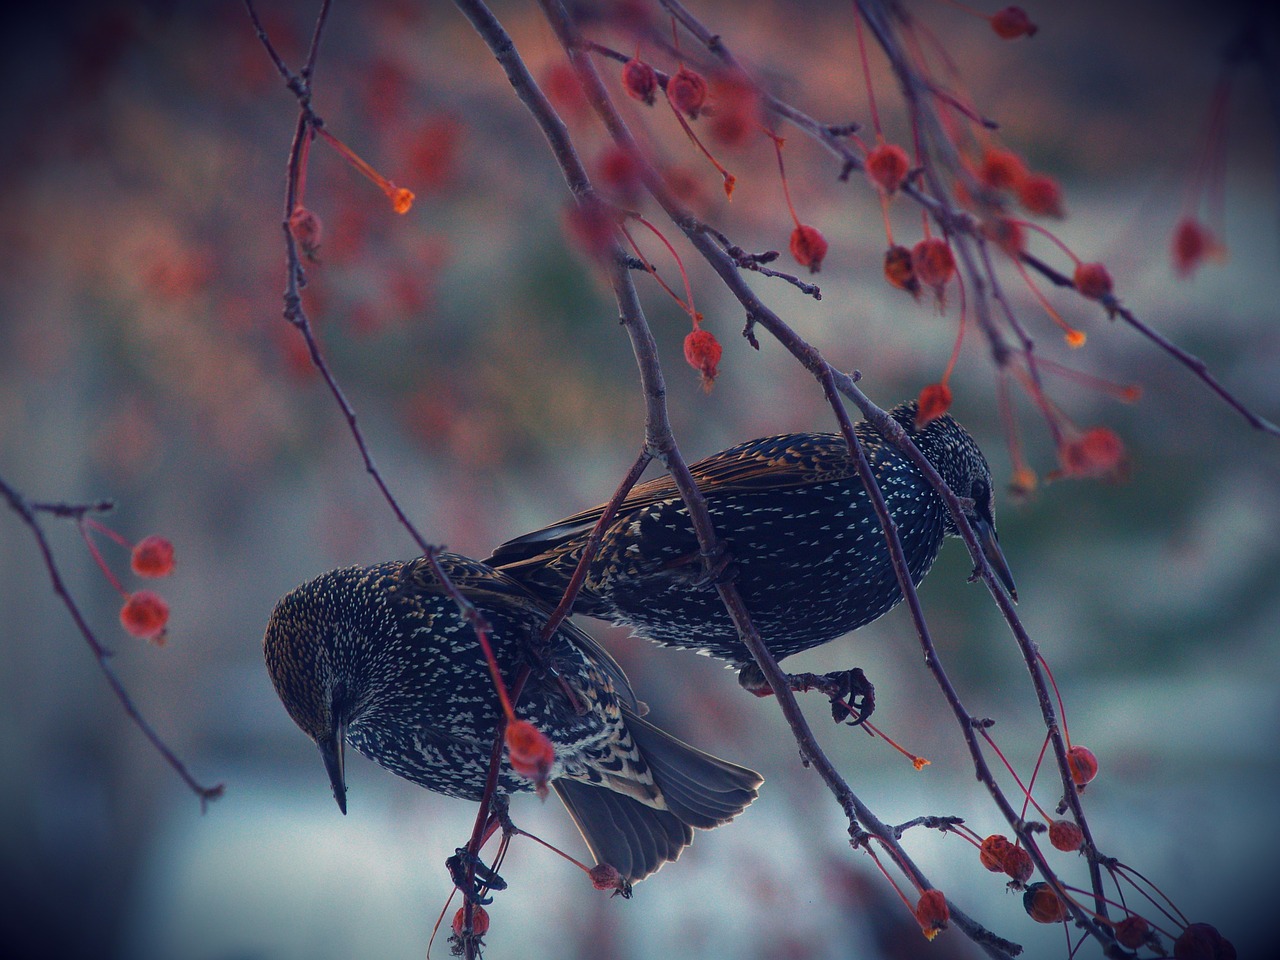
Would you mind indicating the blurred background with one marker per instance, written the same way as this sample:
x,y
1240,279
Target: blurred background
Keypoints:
x,y
143,358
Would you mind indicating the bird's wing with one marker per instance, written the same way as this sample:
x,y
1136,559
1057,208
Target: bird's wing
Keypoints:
x,y
772,463
482,585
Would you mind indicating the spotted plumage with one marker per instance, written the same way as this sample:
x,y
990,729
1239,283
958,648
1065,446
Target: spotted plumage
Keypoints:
x,y
380,657
805,545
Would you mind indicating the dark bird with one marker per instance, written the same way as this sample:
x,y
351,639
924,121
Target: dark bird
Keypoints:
x,y
805,546
380,657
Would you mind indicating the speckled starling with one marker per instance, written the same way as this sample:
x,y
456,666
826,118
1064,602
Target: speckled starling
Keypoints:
x,y
380,657
806,548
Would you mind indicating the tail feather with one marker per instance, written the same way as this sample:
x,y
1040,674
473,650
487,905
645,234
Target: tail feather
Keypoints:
x,y
702,790
637,836
621,831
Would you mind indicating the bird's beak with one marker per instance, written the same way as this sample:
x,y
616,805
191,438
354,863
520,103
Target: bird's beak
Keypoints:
x,y
990,543
331,748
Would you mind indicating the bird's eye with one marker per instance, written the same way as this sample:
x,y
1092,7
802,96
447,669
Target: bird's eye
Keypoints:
x,y
980,492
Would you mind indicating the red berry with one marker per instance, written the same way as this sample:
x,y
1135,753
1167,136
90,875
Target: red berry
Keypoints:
x,y
1007,234
1096,453
1202,941
935,400
1193,244
1132,932
1001,169
605,876
808,246
687,91
1042,904
887,167
479,921
152,557
933,262
1018,864
1093,281
1040,194
1011,23
1065,835
702,350
530,753
899,269
1083,764
145,615
932,913
993,851
640,80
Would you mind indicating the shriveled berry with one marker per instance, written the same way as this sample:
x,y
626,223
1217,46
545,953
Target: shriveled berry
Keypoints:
x,y
899,269
479,921
1065,835
1018,864
702,351
1202,941
1081,760
933,262
887,167
530,753
932,913
687,90
639,80
935,400
1042,904
1132,932
808,246
993,851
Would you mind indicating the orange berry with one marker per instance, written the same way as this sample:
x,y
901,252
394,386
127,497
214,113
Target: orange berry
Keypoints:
x,y
1065,835
1042,904
808,246
145,615
1083,765
530,753
702,351
1092,280
900,271
932,913
1011,23
933,262
1133,932
935,400
640,81
479,921
687,90
993,851
887,167
152,557
1001,170
1040,194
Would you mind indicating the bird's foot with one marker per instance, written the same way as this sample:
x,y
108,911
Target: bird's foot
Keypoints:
x,y
717,567
472,877
853,698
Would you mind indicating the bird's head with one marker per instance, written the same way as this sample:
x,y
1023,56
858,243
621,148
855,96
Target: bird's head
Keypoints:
x,y
957,457
313,649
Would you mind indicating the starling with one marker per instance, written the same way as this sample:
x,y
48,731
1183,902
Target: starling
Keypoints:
x,y
805,545
380,657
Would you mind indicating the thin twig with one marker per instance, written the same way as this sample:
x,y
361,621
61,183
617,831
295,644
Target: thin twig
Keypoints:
x,y
28,512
